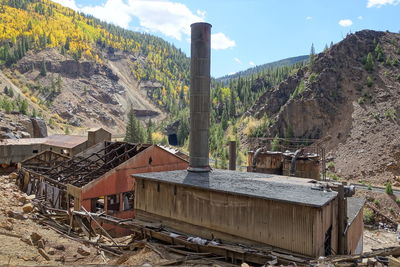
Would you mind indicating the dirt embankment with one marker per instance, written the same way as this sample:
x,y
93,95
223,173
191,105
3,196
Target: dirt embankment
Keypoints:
x,y
24,241
353,103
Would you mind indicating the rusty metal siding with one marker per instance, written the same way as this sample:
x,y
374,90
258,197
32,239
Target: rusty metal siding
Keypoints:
x,y
267,162
305,168
283,225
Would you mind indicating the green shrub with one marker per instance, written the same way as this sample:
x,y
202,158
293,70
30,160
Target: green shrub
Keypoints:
x,y
390,114
299,89
388,188
370,81
369,187
330,165
312,77
361,100
369,216
377,202
398,200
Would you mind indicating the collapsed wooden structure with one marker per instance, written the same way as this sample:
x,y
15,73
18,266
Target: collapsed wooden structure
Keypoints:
x,y
97,179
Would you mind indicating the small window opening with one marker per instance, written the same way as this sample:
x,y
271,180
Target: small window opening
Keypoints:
x,y
35,151
97,204
158,187
150,160
112,204
128,200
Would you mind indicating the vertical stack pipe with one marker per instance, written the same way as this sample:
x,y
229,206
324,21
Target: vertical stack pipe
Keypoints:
x,y
199,97
232,155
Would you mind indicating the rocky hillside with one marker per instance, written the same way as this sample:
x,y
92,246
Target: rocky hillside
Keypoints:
x,y
78,72
349,95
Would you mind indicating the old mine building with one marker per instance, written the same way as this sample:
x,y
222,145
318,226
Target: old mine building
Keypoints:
x,y
13,151
293,215
97,180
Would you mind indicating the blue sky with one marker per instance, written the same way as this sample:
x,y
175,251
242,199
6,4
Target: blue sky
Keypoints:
x,y
248,32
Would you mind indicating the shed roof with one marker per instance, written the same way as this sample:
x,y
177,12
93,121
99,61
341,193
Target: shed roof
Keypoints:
x,y
260,185
67,141
354,206
60,140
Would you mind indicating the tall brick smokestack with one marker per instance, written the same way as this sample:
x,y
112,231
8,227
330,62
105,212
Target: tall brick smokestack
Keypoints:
x,y
200,97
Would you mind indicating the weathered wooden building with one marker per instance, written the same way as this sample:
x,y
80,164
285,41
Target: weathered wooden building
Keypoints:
x,y
283,213
13,151
276,162
97,182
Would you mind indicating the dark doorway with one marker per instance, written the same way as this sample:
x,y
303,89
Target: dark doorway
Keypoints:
x,y
328,242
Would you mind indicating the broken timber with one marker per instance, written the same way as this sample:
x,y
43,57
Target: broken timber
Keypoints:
x,y
229,252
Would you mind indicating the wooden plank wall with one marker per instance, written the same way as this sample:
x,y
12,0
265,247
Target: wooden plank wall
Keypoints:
x,y
278,224
324,219
355,233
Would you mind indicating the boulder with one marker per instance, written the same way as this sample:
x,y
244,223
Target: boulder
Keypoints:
x,y
83,251
39,128
51,251
13,176
16,215
35,237
60,247
27,208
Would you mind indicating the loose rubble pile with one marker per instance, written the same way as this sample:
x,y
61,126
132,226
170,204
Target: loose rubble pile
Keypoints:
x,y
23,241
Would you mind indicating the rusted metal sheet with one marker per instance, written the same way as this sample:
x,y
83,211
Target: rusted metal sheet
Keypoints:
x,y
305,167
266,162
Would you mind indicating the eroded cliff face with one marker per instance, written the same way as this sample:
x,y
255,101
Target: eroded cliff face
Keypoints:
x,y
85,94
356,110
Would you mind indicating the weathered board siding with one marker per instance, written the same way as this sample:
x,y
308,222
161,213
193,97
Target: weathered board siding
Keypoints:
x,y
278,224
355,234
324,219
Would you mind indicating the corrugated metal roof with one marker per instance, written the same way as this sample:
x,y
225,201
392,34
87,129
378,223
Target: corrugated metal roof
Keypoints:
x,y
354,206
261,185
67,141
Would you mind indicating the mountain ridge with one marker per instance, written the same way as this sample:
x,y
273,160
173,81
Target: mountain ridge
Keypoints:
x,y
260,68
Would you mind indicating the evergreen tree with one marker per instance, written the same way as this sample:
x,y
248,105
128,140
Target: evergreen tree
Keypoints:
x,y
312,54
369,63
43,69
23,107
149,131
134,130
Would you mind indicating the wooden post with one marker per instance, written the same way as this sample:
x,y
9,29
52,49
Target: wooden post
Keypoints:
x,y
342,221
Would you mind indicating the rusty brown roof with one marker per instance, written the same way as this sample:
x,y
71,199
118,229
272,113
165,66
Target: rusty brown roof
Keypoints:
x,y
59,140
67,141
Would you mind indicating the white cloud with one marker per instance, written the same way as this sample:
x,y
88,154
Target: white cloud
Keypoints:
x,y
172,19
345,22
220,41
237,60
251,63
379,3
309,18
115,12
67,3
360,17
